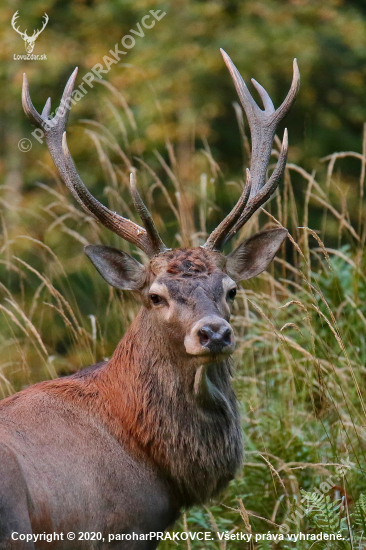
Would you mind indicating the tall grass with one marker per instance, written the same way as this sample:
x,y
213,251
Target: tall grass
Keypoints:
x,y
301,354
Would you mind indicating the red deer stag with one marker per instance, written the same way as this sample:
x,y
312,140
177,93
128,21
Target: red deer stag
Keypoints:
x,y
124,445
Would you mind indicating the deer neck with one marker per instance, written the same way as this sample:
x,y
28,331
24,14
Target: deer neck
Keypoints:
x,y
182,415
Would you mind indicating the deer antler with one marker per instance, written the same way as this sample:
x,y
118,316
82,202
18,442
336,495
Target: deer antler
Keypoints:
x,y
38,32
262,125
13,22
146,239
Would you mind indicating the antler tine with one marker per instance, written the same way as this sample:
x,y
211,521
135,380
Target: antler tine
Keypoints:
x,y
262,125
46,109
55,135
289,100
145,216
254,203
217,238
28,106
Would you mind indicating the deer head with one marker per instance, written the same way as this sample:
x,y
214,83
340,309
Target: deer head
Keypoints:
x,y
187,293
29,40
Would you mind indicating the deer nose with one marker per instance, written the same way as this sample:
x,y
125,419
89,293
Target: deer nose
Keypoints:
x,y
210,335
215,337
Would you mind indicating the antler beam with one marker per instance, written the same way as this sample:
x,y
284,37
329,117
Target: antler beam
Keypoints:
x,y
263,124
147,238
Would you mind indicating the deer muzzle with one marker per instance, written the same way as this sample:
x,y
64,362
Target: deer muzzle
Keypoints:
x,y
211,335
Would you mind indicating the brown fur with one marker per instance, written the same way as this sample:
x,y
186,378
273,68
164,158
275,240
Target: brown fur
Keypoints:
x,y
190,262
187,261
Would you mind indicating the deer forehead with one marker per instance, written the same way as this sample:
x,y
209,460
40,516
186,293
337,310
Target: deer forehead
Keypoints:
x,y
187,262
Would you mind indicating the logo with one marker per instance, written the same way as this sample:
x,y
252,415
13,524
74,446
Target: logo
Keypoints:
x,y
29,40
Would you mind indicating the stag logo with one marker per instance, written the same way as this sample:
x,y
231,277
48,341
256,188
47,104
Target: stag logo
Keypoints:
x,y
29,40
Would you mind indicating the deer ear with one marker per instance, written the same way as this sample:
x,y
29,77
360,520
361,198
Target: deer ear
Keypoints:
x,y
117,268
255,254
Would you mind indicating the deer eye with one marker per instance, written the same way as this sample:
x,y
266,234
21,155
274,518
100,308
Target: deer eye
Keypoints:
x,y
156,299
231,294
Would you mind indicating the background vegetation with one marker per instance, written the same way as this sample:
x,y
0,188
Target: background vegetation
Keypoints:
x,y
167,109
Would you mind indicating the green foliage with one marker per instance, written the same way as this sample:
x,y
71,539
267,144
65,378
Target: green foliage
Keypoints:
x,y
360,514
324,511
333,516
359,518
264,545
